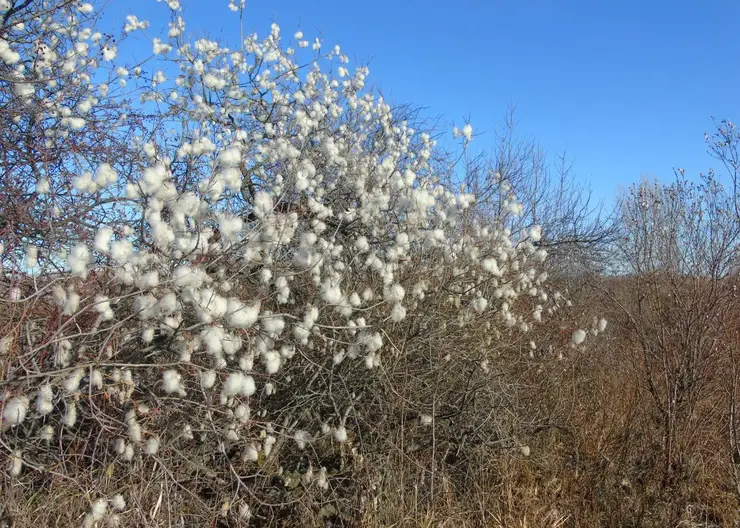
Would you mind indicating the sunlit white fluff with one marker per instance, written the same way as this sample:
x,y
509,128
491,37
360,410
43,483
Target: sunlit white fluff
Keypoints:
x,y
15,463
44,400
172,382
78,260
14,411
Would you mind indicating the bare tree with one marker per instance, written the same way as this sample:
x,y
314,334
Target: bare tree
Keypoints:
x,y
576,232
679,249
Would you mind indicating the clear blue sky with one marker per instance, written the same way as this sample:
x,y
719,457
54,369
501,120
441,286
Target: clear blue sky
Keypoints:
x,y
628,87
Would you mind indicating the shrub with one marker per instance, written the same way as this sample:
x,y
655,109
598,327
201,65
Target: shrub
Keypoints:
x,y
235,272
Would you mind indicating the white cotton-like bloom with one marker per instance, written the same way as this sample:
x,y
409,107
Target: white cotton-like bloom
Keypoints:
x,y
491,266
212,305
302,438
96,379
148,280
23,90
70,415
239,315
372,360
118,503
119,446
480,304
15,463
230,226
44,400
187,432
262,204
109,53
84,183
185,276
578,337
208,379
99,509
330,292
213,82
535,233
398,313
602,324
15,411
5,344
32,256
145,306
172,382
251,453
151,446
242,412
238,384
484,365
272,361
71,303
133,23
230,157
47,433
361,244
374,342
43,186
213,338
75,123
7,55
340,434
128,452
301,333
159,47
273,325
85,8
120,250
322,480
394,293
105,175
72,383
103,239
467,132
426,419
14,294
524,450
134,430
78,259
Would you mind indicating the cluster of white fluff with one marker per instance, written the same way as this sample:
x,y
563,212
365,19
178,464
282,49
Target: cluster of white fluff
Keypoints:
x,y
311,223
598,326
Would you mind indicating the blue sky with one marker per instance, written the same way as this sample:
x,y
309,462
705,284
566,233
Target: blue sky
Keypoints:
x,y
627,87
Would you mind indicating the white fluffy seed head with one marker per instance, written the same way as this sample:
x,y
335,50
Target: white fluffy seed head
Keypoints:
x,y
152,446
44,400
208,379
14,412
578,337
15,463
172,381
118,503
340,434
99,509
70,414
